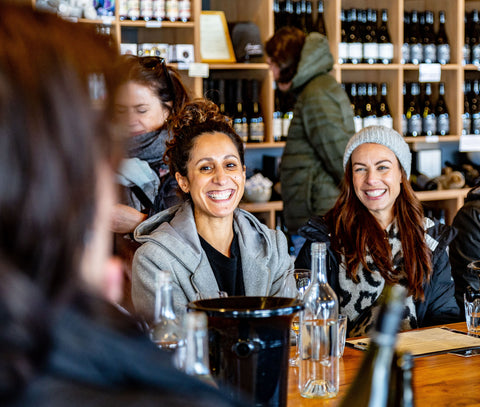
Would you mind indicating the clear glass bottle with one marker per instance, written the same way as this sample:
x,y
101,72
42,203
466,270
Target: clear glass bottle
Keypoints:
x,y
373,384
192,358
166,330
318,360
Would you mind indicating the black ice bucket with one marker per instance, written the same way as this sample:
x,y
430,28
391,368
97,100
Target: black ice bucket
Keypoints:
x,y
249,345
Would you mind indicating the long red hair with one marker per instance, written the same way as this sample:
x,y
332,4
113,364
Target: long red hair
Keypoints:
x,y
355,230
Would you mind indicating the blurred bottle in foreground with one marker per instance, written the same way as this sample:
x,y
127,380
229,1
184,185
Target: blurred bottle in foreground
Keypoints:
x,y
373,385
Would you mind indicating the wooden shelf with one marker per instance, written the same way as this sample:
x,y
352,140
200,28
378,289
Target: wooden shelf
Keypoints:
x,y
265,210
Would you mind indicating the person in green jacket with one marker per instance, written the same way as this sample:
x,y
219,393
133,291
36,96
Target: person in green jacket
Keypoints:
x,y
311,167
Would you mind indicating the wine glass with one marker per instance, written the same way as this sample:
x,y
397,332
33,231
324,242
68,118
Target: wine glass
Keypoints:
x,y
294,284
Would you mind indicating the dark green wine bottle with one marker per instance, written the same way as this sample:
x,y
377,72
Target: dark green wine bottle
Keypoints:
x,y
371,386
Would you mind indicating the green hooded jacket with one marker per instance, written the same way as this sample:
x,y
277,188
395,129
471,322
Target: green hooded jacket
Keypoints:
x,y
311,168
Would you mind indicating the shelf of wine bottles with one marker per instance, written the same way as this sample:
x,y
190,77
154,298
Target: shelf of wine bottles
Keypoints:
x,y
421,42
307,15
158,10
471,45
231,96
423,115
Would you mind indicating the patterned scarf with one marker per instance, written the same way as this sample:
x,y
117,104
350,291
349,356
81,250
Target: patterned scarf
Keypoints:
x,y
149,147
359,301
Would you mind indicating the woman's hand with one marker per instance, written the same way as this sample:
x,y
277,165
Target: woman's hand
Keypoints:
x,y
125,219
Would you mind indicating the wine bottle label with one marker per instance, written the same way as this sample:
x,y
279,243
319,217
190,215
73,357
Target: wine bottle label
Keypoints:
x,y
342,52
404,125
476,54
466,123
429,125
184,10
416,53
386,121
285,126
466,54
159,10
476,123
370,52
146,9
277,128
443,124
171,9
405,53
241,128
370,121
122,8
385,53
443,54
358,123
133,9
415,125
429,53
256,131
355,52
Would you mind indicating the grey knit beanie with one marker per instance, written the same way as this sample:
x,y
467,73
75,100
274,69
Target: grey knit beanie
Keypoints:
x,y
384,136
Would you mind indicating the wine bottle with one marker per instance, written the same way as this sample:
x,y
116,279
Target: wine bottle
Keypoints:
x,y
371,386
309,24
255,120
405,59
406,104
385,46
298,16
184,10
467,56
429,120
420,182
240,122
122,6
384,115
370,118
133,9
355,48
428,40
287,120
443,46
146,9
343,44
414,116
319,356
360,101
277,118
466,115
415,44
221,96
475,107
441,111
159,10
171,10
278,17
320,22
289,13
475,38
370,43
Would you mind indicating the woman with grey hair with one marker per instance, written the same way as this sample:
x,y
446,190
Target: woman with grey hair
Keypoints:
x,y
378,236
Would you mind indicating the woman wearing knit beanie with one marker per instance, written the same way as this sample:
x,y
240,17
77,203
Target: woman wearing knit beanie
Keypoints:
x,y
378,236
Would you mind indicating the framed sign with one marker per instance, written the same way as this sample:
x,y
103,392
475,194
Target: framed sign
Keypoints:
x,y
215,42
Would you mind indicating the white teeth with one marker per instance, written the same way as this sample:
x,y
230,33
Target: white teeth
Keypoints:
x,y
220,195
375,193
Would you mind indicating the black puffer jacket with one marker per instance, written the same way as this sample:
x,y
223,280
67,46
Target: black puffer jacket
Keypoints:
x,y
439,306
465,248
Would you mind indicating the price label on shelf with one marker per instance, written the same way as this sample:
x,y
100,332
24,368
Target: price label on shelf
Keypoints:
x,y
431,139
429,72
108,20
153,24
469,142
199,70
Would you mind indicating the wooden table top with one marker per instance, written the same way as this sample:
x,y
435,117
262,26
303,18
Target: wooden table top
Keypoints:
x,y
438,380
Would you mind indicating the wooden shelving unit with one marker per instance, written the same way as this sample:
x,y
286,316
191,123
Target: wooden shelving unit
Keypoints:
x,y
395,74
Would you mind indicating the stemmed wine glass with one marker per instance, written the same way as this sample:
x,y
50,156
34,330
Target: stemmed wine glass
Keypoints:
x,y
294,284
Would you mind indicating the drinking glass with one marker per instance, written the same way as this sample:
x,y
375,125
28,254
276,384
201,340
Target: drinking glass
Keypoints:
x,y
295,283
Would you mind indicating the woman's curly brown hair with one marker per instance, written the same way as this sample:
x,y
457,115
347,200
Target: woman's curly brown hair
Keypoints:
x,y
197,117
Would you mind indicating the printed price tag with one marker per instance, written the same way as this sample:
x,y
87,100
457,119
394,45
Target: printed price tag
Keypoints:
x,y
429,72
431,139
153,24
107,20
469,142
199,70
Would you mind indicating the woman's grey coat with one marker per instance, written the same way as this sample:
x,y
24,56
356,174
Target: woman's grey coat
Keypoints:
x,y
170,242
